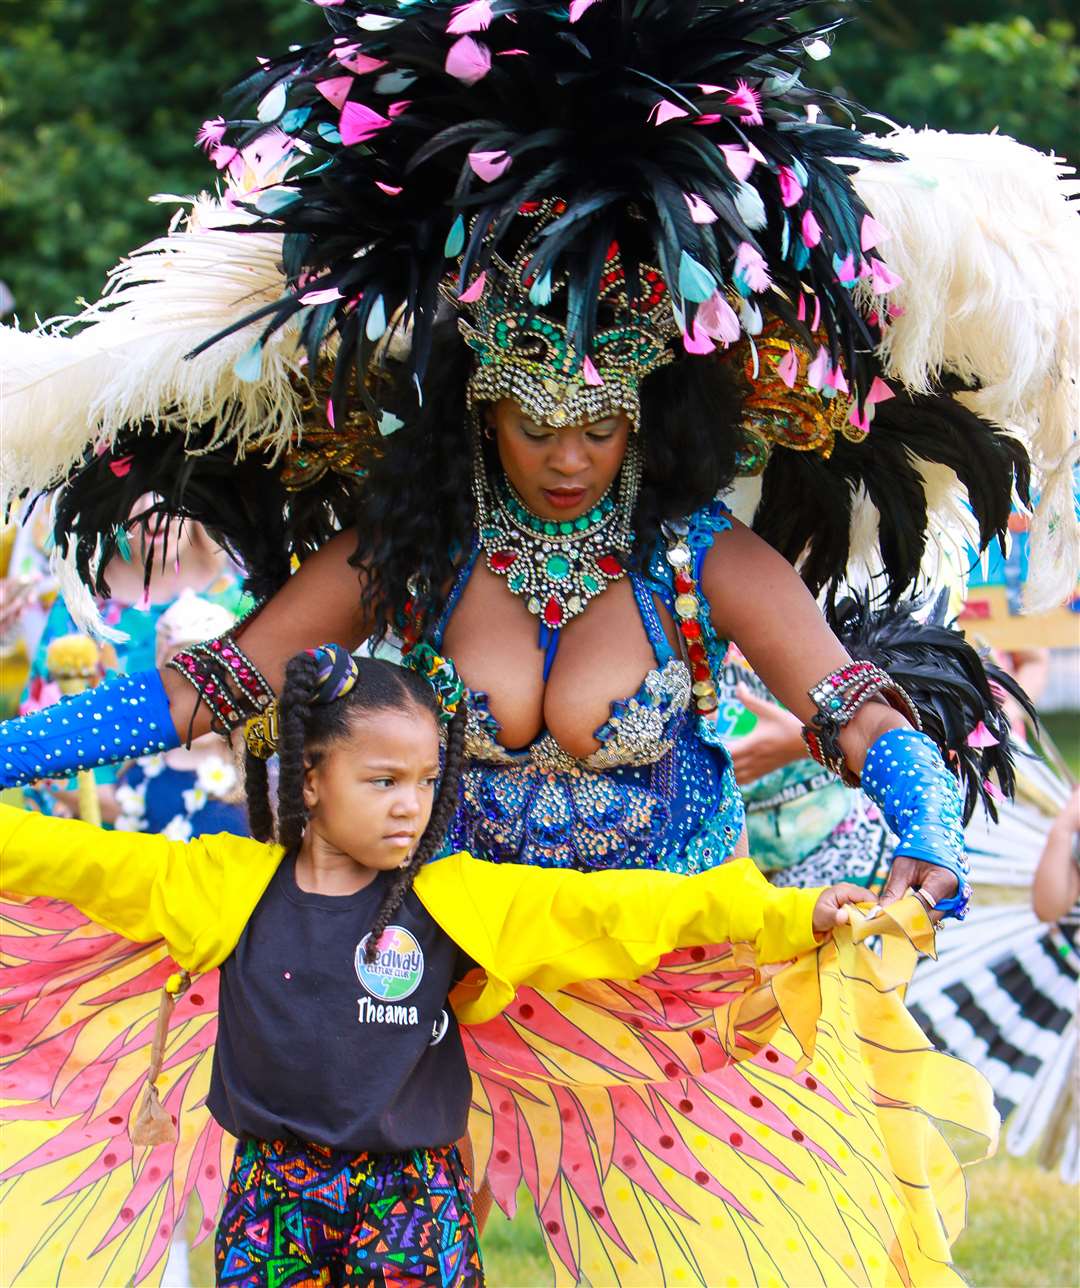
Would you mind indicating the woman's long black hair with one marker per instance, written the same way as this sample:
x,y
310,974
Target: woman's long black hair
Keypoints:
x,y
308,728
415,510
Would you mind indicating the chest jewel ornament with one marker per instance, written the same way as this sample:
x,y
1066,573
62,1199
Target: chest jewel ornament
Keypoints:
x,y
557,566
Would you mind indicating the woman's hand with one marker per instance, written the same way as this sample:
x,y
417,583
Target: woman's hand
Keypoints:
x,y
775,741
831,909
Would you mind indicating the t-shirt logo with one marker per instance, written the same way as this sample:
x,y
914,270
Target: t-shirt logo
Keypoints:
x,y
397,970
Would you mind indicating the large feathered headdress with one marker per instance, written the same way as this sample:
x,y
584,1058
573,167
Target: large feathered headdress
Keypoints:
x,y
678,131
597,189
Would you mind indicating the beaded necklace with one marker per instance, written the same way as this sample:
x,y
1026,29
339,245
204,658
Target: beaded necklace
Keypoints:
x,y
556,566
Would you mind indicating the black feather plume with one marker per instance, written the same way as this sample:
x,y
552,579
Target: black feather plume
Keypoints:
x,y
243,504
949,682
807,502
622,109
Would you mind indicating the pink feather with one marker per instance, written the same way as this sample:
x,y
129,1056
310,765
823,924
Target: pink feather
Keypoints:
x,y
592,376
872,233
748,101
718,319
359,123
980,737
811,229
473,293
883,278
578,7
470,17
665,111
818,370
468,60
700,210
879,392
739,161
335,90
790,188
350,57
697,341
489,166
788,367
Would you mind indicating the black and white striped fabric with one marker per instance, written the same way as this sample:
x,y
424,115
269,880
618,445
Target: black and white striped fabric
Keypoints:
x,y
1003,992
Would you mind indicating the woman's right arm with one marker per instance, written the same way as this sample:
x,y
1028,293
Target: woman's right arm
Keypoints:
x,y
320,604
152,711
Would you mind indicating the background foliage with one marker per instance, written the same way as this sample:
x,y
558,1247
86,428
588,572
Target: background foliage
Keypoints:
x,y
100,100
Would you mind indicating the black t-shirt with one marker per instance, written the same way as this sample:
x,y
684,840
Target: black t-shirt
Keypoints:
x,y
315,1044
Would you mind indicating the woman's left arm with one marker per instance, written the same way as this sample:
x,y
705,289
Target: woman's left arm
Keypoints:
x,y
759,601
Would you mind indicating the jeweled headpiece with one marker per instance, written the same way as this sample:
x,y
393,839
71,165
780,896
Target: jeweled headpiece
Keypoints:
x,y
525,353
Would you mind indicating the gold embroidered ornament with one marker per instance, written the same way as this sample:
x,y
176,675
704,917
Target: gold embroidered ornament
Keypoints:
x,y
789,402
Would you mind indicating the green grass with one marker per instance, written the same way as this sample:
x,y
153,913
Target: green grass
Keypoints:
x,y
1064,728
1023,1232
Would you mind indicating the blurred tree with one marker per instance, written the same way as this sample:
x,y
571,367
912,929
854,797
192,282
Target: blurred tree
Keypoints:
x,y
99,104
967,65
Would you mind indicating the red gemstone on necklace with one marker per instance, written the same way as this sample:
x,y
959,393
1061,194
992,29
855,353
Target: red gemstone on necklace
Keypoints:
x,y
697,652
609,565
684,583
701,671
503,559
691,630
553,613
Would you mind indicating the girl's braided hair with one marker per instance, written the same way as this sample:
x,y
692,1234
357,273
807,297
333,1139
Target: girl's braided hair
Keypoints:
x,y
310,722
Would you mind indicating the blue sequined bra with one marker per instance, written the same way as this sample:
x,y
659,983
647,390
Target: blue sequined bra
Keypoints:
x,y
658,792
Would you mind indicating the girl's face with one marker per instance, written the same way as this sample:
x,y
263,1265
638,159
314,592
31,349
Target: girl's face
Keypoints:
x,y
558,473
369,795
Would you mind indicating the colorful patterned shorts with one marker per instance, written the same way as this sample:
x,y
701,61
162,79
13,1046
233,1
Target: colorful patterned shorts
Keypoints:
x,y
301,1215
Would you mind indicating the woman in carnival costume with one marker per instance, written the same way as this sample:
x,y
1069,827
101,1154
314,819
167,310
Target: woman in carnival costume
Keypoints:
x,y
516,243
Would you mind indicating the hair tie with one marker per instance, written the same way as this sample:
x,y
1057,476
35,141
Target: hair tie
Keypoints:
x,y
441,674
336,672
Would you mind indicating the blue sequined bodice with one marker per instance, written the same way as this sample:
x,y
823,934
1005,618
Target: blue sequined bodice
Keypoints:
x,y
658,792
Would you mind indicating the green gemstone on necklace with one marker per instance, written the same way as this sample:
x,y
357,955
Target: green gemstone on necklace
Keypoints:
x,y
581,524
558,567
550,529
565,528
595,515
516,582
590,583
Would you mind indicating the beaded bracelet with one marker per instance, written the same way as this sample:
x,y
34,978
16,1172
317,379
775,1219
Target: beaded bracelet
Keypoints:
x,y
226,679
246,676
838,697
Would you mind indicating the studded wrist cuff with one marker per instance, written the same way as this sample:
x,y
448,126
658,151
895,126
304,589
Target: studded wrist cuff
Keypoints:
x,y
122,718
919,798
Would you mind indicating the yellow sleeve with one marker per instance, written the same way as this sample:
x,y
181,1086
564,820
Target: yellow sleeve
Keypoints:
x,y
549,928
196,895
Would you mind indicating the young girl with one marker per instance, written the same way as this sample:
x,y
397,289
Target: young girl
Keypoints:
x,y
339,1064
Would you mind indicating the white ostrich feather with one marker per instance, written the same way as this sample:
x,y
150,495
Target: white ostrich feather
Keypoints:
x,y
985,237
73,383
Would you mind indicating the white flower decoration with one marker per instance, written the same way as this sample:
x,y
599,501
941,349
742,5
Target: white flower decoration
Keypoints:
x,y
129,823
131,801
194,800
178,828
151,765
216,776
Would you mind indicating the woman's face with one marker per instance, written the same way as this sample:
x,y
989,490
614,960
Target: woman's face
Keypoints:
x,y
558,473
